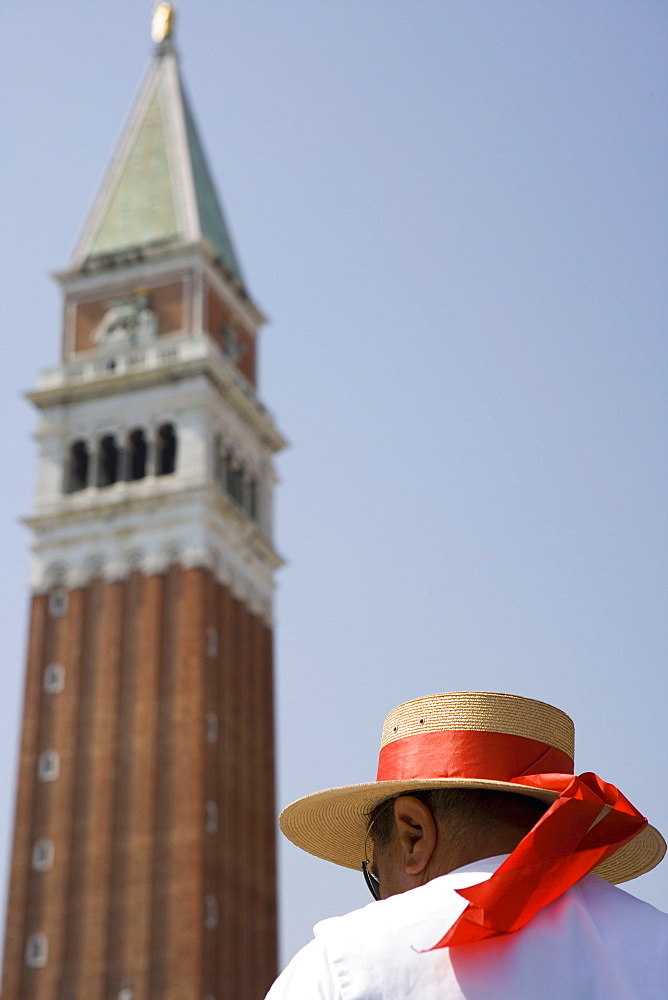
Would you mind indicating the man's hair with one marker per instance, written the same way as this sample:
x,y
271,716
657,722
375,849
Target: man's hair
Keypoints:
x,y
464,810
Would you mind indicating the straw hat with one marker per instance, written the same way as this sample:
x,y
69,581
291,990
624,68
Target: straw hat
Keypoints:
x,y
475,736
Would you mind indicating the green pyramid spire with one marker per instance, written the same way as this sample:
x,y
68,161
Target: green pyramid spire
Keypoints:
x,y
159,188
141,210
211,217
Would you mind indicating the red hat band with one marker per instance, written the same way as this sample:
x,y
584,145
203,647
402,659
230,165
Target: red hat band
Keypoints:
x,y
468,755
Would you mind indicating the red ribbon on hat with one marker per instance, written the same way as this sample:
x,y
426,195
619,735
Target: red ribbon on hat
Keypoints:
x,y
588,822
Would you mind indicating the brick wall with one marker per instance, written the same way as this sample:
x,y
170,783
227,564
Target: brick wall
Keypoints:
x,y
167,704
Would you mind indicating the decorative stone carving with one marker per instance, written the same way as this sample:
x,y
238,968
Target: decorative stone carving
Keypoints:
x,y
127,321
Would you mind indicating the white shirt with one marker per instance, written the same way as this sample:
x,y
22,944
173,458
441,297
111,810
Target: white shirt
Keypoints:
x,y
596,942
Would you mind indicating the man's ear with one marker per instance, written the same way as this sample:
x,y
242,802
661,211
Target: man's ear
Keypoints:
x,y
417,833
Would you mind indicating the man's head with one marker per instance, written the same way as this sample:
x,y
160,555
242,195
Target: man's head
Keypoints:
x,y
477,741
420,836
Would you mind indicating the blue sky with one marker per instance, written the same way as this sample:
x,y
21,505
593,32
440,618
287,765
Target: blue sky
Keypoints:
x,y
455,215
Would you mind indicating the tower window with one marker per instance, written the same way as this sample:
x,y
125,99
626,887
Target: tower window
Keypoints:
x,y
58,602
48,765
230,342
107,470
234,478
166,451
210,913
251,499
37,951
54,678
211,641
218,468
238,485
42,855
210,817
211,727
77,468
228,471
136,456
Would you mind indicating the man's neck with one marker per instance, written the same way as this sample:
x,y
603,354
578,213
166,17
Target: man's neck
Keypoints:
x,y
450,854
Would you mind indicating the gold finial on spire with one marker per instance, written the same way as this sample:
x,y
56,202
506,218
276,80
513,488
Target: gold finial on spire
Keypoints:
x,y
162,24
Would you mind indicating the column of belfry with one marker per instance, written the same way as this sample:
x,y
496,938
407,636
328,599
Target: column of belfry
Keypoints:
x,y
143,865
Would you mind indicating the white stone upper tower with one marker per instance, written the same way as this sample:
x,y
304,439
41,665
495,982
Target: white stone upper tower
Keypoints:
x,y
153,408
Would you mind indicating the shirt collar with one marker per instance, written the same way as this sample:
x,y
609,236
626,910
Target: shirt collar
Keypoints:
x,y
485,866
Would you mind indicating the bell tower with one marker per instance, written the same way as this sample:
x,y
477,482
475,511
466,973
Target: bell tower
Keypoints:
x,y
143,863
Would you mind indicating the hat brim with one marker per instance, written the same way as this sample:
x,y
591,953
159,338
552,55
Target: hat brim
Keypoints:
x,y
332,824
